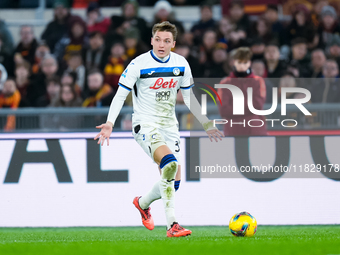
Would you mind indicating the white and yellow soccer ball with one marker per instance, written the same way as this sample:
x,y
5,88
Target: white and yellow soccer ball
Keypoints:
x,y
243,224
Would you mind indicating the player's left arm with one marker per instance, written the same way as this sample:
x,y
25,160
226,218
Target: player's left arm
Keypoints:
x,y
191,102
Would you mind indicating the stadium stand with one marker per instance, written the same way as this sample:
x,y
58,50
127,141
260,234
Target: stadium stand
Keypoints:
x,y
64,38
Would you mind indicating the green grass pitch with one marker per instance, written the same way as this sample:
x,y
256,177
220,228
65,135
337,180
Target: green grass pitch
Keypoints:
x,y
138,240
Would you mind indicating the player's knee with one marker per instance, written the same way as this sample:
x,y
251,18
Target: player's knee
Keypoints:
x,y
155,146
177,185
169,166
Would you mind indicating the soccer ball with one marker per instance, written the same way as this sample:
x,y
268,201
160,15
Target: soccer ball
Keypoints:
x,y
243,224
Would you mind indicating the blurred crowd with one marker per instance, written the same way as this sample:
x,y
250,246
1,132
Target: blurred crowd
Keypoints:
x,y
77,62
84,3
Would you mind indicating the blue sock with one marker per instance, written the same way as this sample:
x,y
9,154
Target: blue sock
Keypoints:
x,y
177,185
167,159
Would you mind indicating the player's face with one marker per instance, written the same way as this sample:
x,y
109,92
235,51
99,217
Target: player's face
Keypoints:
x,y
162,43
242,66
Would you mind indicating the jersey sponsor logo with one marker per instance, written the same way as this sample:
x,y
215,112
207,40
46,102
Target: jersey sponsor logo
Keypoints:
x,y
176,71
163,95
160,83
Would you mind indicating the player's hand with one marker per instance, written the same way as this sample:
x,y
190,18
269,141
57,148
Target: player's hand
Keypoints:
x,y
215,133
105,133
212,131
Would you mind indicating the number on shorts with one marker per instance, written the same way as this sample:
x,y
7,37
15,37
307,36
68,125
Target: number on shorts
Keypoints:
x,y
178,149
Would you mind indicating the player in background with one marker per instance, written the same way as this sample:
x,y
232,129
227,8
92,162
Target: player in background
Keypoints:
x,y
154,79
243,77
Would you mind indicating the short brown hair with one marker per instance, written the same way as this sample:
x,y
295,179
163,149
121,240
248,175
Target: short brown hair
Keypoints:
x,y
165,26
243,54
74,54
234,3
54,79
94,71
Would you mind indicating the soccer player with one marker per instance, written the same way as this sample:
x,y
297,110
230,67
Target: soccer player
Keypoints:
x,y
154,79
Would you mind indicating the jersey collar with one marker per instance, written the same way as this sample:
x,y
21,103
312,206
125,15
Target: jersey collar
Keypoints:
x,y
164,60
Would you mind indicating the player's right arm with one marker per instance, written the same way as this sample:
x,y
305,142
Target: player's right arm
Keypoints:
x,y
126,82
195,108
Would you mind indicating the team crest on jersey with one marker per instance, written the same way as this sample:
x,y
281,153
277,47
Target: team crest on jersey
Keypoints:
x,y
176,71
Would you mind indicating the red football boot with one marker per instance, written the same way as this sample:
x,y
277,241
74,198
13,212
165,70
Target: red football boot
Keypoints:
x,y
146,215
177,231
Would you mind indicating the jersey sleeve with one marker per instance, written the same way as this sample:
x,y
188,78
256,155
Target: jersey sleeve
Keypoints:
x,y
187,80
130,75
117,104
